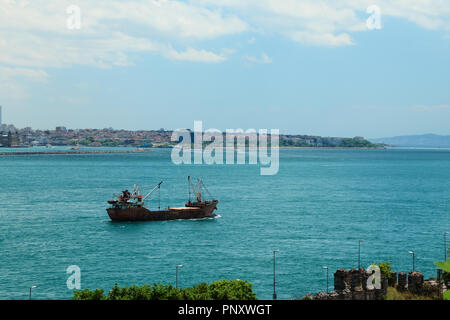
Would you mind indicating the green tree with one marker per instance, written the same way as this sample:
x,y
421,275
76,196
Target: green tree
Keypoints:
x,y
445,266
385,268
218,290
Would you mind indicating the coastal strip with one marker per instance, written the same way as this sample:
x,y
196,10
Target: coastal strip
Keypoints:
x,y
75,152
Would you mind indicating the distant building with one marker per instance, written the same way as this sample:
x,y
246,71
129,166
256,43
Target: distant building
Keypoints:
x,y
9,139
61,129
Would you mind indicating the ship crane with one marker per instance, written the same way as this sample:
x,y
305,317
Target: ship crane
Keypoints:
x,y
149,194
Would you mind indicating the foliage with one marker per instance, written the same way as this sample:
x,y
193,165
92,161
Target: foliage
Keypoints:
x,y
218,290
88,294
385,268
445,266
356,143
447,295
230,290
394,294
307,141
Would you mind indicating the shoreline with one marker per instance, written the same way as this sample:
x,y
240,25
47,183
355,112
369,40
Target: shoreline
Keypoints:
x,y
316,148
331,148
74,152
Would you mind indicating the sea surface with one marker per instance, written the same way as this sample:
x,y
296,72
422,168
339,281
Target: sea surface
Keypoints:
x,y
52,213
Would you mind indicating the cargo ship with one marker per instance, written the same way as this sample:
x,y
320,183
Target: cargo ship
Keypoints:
x,y
132,206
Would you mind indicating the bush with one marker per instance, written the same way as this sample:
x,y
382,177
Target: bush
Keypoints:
x,y
87,294
385,268
447,295
219,290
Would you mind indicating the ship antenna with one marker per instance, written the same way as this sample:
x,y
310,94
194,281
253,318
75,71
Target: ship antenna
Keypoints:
x,y
189,187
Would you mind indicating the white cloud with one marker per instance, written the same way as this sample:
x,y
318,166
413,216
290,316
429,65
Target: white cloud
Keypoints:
x,y
194,55
177,19
24,73
330,22
12,81
322,39
263,59
33,34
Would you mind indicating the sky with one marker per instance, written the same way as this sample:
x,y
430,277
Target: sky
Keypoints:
x,y
330,68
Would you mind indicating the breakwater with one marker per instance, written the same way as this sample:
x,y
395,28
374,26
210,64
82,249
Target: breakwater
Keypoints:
x,y
74,152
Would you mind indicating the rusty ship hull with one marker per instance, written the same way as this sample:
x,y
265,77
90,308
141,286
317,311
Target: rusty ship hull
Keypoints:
x,y
143,214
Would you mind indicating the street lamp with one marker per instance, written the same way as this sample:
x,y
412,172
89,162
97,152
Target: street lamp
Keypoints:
x,y
359,253
325,267
413,258
274,292
445,245
32,287
176,277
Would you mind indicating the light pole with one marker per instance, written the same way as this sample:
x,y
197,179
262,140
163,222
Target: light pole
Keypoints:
x,y
176,275
274,292
325,267
445,245
413,258
32,287
359,253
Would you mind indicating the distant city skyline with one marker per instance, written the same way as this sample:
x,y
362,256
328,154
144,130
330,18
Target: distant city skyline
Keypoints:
x,y
223,130
298,66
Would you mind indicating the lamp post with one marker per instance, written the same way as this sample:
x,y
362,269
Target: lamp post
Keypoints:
x,y
359,253
274,292
176,275
413,258
325,267
31,288
445,245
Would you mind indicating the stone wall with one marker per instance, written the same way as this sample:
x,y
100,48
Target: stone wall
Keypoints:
x,y
352,285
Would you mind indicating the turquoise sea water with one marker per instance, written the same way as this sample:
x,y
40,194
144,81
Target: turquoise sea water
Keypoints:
x,y
314,210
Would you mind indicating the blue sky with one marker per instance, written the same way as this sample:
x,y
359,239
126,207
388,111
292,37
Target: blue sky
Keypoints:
x,y
305,67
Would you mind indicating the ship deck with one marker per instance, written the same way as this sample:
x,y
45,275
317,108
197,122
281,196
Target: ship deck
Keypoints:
x,y
185,208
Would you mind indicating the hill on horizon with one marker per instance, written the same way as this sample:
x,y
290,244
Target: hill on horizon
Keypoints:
x,y
425,140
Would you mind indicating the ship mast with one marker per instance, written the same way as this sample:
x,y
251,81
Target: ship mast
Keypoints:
x,y
197,190
189,188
